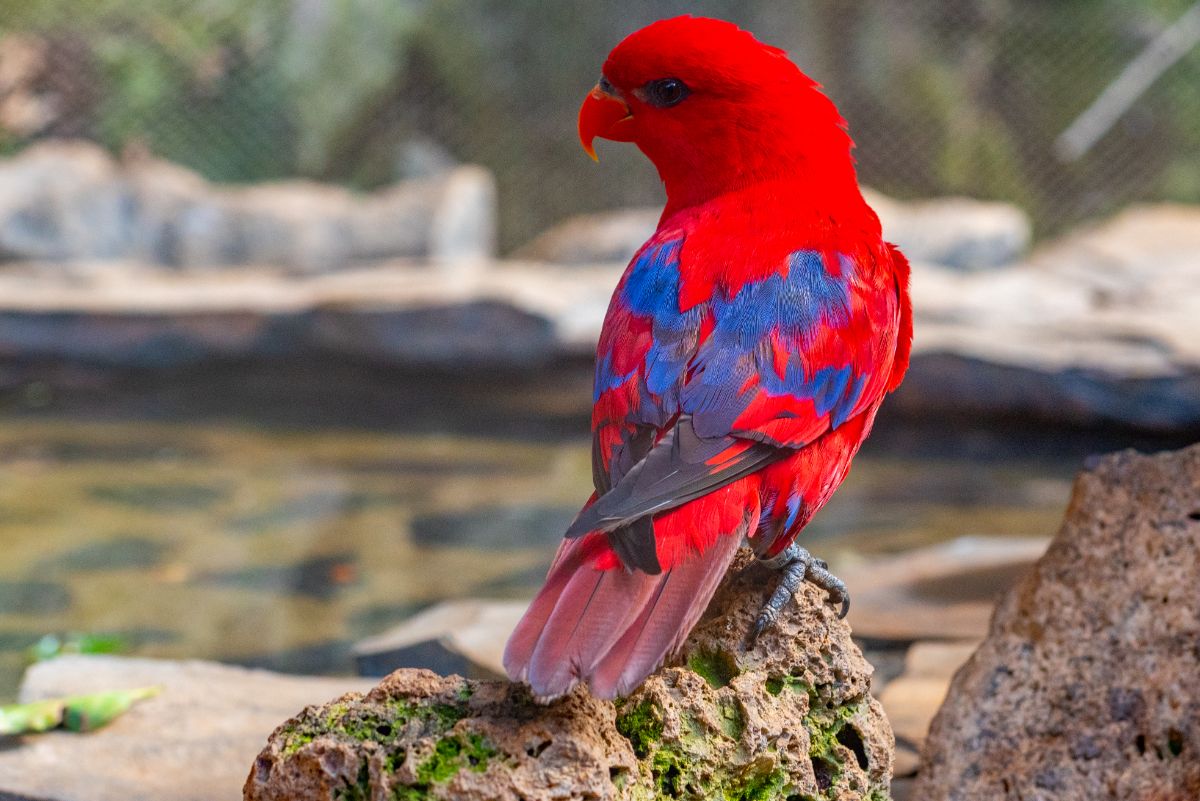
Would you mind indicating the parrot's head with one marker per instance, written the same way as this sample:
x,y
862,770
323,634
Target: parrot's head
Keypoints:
x,y
715,110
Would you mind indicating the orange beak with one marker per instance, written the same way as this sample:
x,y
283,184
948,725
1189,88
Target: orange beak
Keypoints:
x,y
606,116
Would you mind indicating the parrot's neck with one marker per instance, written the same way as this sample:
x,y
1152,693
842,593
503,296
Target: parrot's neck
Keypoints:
x,y
824,186
813,160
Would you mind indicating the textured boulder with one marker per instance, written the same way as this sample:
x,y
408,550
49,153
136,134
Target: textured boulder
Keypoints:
x,y
791,718
1085,687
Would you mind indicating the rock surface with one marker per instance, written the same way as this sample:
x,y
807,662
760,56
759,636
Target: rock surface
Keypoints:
x,y
955,232
125,315
791,716
70,201
1085,687
1100,327
191,742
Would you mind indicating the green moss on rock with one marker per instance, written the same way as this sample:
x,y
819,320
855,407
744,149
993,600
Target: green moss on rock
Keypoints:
x,y
824,727
671,773
680,772
733,723
777,684
718,668
452,754
766,786
294,738
642,726
380,723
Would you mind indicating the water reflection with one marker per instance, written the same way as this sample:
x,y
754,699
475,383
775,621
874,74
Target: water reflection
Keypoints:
x,y
275,524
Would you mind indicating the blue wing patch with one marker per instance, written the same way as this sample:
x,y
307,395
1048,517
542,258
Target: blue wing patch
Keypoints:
x,y
796,305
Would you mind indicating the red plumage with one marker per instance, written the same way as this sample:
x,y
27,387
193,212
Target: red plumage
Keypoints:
x,y
744,356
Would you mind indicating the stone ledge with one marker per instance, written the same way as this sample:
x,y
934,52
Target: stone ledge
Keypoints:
x,y
1096,329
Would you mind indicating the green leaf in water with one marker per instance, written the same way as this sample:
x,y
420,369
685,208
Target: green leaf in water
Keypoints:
x,y
78,713
52,645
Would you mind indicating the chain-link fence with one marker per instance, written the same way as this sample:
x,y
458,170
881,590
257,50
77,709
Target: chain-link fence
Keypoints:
x,y
943,96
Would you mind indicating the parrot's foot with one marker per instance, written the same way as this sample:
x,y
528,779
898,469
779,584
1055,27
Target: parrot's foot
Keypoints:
x,y
798,565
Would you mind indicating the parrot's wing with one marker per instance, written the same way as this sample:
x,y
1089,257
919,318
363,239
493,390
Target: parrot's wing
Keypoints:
x,y
690,401
793,355
680,467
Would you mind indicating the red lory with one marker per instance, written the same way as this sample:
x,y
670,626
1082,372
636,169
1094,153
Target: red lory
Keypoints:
x,y
745,353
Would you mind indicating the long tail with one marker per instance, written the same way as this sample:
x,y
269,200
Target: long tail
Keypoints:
x,y
610,628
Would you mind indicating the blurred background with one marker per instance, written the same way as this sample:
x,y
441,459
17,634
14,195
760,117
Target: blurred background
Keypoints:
x,y
298,297
961,97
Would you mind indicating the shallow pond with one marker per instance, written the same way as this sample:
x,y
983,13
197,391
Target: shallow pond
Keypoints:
x,y
274,522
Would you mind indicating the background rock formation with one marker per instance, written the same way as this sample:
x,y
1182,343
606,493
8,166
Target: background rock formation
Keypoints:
x,y
66,202
1086,685
791,717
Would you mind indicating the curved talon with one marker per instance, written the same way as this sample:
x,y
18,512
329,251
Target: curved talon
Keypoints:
x,y
842,598
819,575
764,622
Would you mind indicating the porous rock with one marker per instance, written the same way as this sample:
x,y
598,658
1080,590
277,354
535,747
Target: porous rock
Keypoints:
x,y
790,718
1085,687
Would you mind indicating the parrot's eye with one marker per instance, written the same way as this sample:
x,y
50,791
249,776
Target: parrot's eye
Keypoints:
x,y
665,92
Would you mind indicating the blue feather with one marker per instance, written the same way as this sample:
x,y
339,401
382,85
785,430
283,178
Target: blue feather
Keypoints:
x,y
795,305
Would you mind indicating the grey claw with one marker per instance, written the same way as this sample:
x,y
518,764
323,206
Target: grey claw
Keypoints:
x,y
760,626
797,566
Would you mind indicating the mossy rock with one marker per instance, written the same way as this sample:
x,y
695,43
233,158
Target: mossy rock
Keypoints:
x,y
790,718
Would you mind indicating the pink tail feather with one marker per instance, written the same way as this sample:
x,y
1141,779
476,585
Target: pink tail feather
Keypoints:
x,y
610,628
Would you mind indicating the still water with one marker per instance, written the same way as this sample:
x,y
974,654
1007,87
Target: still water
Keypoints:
x,y
274,521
